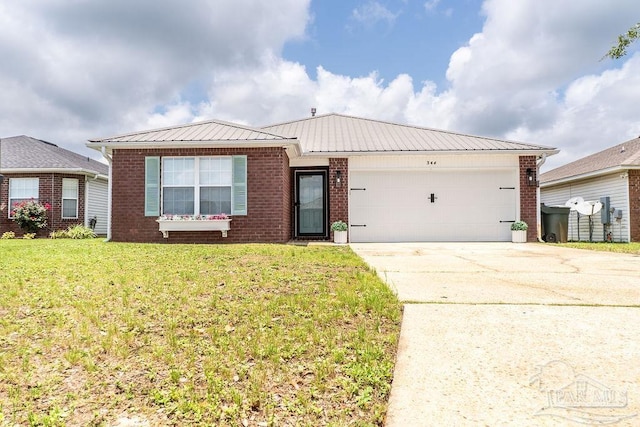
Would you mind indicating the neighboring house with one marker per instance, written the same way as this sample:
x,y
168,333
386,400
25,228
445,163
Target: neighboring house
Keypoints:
x,y
613,173
74,185
389,182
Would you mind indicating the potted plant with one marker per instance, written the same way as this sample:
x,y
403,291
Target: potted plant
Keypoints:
x,y
339,229
519,232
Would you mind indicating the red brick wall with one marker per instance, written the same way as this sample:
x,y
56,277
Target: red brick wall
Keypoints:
x,y
50,191
268,198
634,205
528,200
338,196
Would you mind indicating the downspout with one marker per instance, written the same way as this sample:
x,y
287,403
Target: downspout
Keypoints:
x,y
109,192
540,162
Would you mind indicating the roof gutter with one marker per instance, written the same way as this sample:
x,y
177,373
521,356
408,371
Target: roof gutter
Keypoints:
x,y
75,171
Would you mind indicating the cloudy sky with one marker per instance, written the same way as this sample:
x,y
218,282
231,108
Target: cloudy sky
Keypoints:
x,y
527,70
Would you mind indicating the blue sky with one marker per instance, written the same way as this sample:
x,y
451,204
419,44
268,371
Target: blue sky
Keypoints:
x,y
524,70
391,38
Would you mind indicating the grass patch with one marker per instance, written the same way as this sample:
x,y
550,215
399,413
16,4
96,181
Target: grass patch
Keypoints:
x,y
182,334
628,248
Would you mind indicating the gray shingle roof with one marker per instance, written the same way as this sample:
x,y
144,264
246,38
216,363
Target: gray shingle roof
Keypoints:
x,y
209,131
345,134
23,152
625,155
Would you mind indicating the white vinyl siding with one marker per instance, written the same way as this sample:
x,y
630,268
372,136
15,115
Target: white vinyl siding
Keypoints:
x,y
614,185
21,189
97,204
70,198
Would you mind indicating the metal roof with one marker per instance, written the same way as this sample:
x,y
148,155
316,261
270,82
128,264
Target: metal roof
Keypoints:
x,y
209,131
621,156
23,153
336,133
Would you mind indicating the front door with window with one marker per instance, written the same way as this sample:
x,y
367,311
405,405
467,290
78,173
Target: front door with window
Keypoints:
x,y
311,203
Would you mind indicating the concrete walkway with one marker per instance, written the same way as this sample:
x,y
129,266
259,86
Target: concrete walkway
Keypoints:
x,y
512,334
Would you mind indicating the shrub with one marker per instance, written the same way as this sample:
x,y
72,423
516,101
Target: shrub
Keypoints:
x,y
519,226
29,236
8,235
339,226
30,215
73,232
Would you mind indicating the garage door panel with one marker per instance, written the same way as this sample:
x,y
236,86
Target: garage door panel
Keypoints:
x,y
396,206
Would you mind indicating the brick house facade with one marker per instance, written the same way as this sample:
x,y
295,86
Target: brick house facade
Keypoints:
x,y
297,181
50,191
268,198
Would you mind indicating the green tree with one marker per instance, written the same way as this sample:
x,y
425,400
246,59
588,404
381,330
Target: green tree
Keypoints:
x,y
624,40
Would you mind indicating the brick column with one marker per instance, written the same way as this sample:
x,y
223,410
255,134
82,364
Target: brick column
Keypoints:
x,y
338,196
634,205
528,197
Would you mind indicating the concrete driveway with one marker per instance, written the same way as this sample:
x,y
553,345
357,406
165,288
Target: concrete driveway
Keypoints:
x,y
512,334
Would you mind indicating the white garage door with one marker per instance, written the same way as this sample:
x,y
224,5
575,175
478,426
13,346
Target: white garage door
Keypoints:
x,y
394,206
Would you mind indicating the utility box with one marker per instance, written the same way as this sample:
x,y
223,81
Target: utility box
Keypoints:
x,y
555,223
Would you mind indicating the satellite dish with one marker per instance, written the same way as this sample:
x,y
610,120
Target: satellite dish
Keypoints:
x,y
589,208
572,202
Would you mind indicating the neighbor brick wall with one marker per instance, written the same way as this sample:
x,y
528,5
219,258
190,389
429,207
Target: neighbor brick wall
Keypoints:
x,y
338,196
528,200
50,191
268,199
634,205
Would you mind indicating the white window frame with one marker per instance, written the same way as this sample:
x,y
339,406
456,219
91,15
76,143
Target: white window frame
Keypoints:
x,y
36,198
196,181
76,198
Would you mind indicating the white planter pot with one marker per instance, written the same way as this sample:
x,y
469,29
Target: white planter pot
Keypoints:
x,y
222,225
340,237
519,236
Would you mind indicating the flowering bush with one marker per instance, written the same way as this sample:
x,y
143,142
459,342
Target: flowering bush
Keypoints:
x,y
193,217
30,215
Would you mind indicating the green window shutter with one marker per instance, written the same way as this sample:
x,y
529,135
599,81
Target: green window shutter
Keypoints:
x,y
239,185
152,186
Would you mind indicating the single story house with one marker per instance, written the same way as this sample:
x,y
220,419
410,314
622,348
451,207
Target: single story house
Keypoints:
x,y
74,185
613,173
388,181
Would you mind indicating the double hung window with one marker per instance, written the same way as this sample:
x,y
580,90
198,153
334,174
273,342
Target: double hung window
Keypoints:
x,y
196,185
22,189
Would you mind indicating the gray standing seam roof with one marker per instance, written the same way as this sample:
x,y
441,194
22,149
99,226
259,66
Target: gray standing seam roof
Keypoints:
x,y
622,155
339,133
212,130
24,152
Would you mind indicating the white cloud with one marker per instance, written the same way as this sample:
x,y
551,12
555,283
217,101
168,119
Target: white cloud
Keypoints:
x,y
372,13
431,5
95,68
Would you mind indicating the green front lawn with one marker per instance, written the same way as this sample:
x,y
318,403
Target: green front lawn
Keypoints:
x,y
629,248
259,335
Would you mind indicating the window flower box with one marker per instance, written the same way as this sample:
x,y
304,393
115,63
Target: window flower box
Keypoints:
x,y
169,223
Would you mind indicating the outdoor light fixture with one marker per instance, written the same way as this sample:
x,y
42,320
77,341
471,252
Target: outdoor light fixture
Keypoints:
x,y
338,178
531,178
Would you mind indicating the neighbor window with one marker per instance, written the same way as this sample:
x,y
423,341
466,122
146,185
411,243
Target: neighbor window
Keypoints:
x,y
21,189
197,185
69,198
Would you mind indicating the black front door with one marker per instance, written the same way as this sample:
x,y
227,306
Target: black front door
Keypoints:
x,y
311,204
